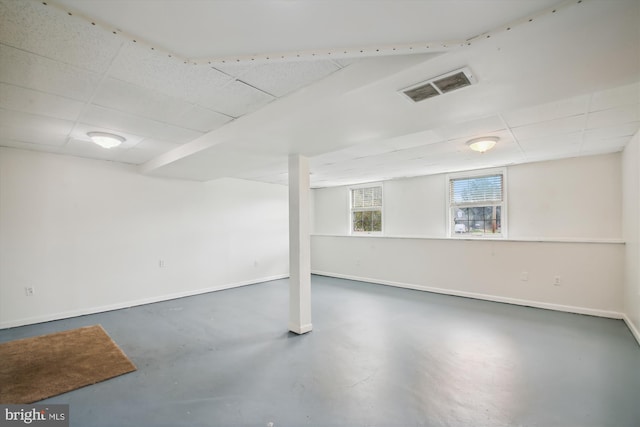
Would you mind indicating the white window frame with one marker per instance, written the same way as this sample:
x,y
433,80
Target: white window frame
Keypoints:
x,y
503,207
351,210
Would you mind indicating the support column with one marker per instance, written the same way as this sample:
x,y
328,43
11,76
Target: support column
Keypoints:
x,y
299,246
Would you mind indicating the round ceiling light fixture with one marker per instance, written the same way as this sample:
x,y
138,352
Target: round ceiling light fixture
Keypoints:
x,y
483,144
105,140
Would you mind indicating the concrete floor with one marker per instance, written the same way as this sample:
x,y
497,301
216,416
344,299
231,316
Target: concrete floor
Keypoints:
x,y
378,356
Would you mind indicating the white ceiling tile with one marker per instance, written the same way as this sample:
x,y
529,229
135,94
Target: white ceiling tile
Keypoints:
x,y
550,128
345,62
281,78
472,128
130,98
51,32
200,119
602,146
25,127
235,99
90,150
39,103
557,152
4,142
624,95
550,142
168,75
413,140
36,72
614,116
546,112
125,122
607,133
234,69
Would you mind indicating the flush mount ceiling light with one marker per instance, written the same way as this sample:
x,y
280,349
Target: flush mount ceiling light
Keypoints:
x,y
483,144
105,140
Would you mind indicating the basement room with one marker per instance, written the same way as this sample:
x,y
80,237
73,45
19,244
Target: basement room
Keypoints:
x,y
282,213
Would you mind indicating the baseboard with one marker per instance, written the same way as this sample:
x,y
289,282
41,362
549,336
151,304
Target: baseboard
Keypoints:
x,y
485,297
632,328
127,304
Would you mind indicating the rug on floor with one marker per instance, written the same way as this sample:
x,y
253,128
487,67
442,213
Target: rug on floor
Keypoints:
x,y
32,369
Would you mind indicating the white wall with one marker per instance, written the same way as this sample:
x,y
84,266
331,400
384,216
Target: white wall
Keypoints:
x,y
577,198
591,274
631,221
89,235
564,218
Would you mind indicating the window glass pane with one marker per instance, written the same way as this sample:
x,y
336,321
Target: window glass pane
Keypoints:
x,y
477,220
376,220
366,221
357,221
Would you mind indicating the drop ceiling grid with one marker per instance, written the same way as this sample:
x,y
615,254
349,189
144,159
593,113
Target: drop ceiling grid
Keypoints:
x,y
413,140
39,103
547,112
550,128
136,100
33,129
124,122
282,78
35,72
4,142
471,129
613,116
604,145
616,97
620,130
50,32
235,99
158,72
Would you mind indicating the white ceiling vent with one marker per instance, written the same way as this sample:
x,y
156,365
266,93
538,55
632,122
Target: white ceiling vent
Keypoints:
x,y
440,85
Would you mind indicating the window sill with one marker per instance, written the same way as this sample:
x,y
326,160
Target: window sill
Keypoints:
x,y
489,239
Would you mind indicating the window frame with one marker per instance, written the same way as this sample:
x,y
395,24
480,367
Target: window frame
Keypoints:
x,y
478,173
352,232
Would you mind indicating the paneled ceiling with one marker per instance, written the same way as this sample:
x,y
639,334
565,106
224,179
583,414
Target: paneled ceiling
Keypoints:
x,y
210,89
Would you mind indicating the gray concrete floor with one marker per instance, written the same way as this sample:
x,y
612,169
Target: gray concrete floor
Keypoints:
x,y
378,356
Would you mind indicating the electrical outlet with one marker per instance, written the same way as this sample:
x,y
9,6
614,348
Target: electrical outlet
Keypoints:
x,y
524,276
556,281
161,263
29,291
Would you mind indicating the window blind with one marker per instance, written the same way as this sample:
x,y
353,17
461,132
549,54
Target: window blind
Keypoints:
x,y
369,197
481,189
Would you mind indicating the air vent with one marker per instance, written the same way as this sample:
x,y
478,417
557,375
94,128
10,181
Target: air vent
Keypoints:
x,y
440,85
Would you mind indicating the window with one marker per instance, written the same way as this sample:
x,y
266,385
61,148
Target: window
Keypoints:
x,y
366,209
476,205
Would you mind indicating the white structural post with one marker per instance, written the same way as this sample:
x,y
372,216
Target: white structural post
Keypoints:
x,y
299,246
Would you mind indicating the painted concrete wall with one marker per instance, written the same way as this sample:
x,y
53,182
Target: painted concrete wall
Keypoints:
x,y
631,221
91,235
591,275
565,219
578,198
